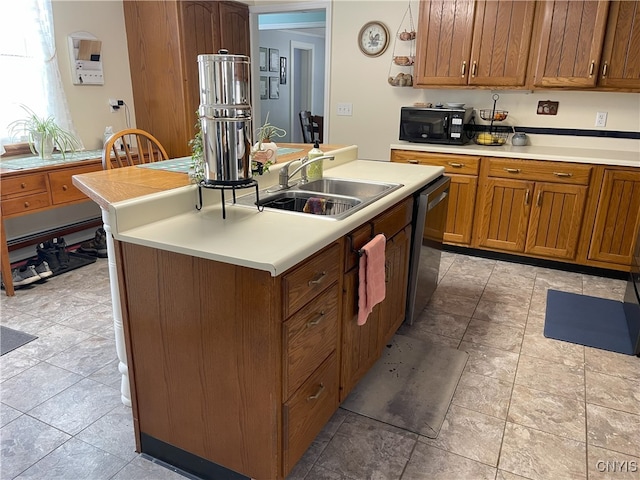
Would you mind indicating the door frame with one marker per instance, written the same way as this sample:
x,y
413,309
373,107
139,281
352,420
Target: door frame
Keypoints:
x,y
254,11
308,101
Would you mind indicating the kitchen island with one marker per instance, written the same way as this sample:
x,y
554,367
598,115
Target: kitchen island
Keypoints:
x,y
240,332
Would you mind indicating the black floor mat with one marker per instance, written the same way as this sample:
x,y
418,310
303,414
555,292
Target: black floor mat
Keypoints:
x,y
76,260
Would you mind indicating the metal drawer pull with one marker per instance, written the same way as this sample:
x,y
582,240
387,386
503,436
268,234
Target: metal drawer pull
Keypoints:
x,y
563,174
539,199
464,69
319,278
315,321
605,67
512,170
474,68
412,161
27,204
592,68
455,164
526,197
317,394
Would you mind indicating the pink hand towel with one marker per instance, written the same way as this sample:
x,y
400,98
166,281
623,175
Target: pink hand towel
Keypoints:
x,y
372,288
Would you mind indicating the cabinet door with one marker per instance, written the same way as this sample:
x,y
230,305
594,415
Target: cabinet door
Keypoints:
x,y
504,214
620,59
200,35
556,218
444,42
462,202
393,308
234,28
501,39
617,218
571,39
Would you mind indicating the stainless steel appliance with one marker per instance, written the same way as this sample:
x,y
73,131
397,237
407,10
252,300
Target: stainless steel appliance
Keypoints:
x,y
632,300
225,118
435,125
429,219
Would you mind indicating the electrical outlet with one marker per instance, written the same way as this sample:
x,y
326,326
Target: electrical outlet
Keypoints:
x,y
114,104
601,119
345,109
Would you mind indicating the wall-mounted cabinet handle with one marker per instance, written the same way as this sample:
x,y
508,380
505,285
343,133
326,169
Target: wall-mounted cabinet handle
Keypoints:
x,y
474,68
526,197
592,68
315,321
318,279
412,161
539,199
317,394
512,170
563,174
464,69
455,164
605,67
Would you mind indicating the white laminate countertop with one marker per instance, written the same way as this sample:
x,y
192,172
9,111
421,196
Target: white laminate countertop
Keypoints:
x,y
273,241
623,158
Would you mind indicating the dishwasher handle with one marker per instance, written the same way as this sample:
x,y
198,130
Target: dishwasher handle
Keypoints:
x,y
434,203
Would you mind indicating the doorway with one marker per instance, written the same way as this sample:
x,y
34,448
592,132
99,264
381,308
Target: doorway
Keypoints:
x,y
299,33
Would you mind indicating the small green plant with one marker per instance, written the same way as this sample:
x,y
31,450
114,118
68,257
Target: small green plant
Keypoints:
x,y
40,131
197,156
266,133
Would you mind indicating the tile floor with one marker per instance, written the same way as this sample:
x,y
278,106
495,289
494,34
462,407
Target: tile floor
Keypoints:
x,y
526,407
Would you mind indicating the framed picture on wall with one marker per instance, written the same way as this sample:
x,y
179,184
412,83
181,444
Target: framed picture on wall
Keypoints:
x,y
274,88
283,70
274,59
264,88
263,59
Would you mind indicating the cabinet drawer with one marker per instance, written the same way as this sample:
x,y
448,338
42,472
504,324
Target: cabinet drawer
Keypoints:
x,y
25,204
24,185
394,219
308,411
355,241
462,164
62,188
311,278
539,170
309,337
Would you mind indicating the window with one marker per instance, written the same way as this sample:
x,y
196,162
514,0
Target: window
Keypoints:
x,y
29,72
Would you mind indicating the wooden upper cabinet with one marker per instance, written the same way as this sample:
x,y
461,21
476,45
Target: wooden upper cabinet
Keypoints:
x,y
501,41
620,57
234,28
444,42
571,37
466,42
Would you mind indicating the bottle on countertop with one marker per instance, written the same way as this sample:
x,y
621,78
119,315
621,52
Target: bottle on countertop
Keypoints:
x,y
314,170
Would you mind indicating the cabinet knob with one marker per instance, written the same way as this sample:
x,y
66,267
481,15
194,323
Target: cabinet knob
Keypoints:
x,y
64,188
23,185
319,278
512,170
455,164
317,394
26,204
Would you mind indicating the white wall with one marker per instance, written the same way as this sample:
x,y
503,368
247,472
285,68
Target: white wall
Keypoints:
x,y
89,103
374,125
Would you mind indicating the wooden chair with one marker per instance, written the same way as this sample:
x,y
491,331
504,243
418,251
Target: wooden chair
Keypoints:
x,y
312,126
131,146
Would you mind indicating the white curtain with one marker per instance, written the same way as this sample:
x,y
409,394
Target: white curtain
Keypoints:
x,y
29,66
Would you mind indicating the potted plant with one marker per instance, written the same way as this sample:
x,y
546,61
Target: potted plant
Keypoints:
x,y
43,134
264,152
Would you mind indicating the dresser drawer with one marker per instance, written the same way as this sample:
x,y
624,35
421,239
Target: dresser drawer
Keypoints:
x,y
311,278
304,415
24,184
462,164
542,171
62,188
309,337
25,204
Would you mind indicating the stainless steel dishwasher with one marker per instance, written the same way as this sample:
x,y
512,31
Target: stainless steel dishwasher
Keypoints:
x,y
429,220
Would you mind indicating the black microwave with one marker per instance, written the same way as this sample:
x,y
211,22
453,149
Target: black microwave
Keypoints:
x,y
435,125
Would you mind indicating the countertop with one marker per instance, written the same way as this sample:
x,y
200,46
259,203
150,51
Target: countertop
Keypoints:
x,y
273,241
625,158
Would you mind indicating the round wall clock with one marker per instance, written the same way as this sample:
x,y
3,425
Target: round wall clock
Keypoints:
x,y
373,39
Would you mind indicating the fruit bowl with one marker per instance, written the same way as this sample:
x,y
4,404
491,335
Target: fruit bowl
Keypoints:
x,y
491,138
495,115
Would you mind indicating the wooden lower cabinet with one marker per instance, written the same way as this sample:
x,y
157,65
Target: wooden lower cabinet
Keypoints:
x,y
617,218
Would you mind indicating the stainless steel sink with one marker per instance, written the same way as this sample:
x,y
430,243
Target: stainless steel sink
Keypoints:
x,y
330,198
